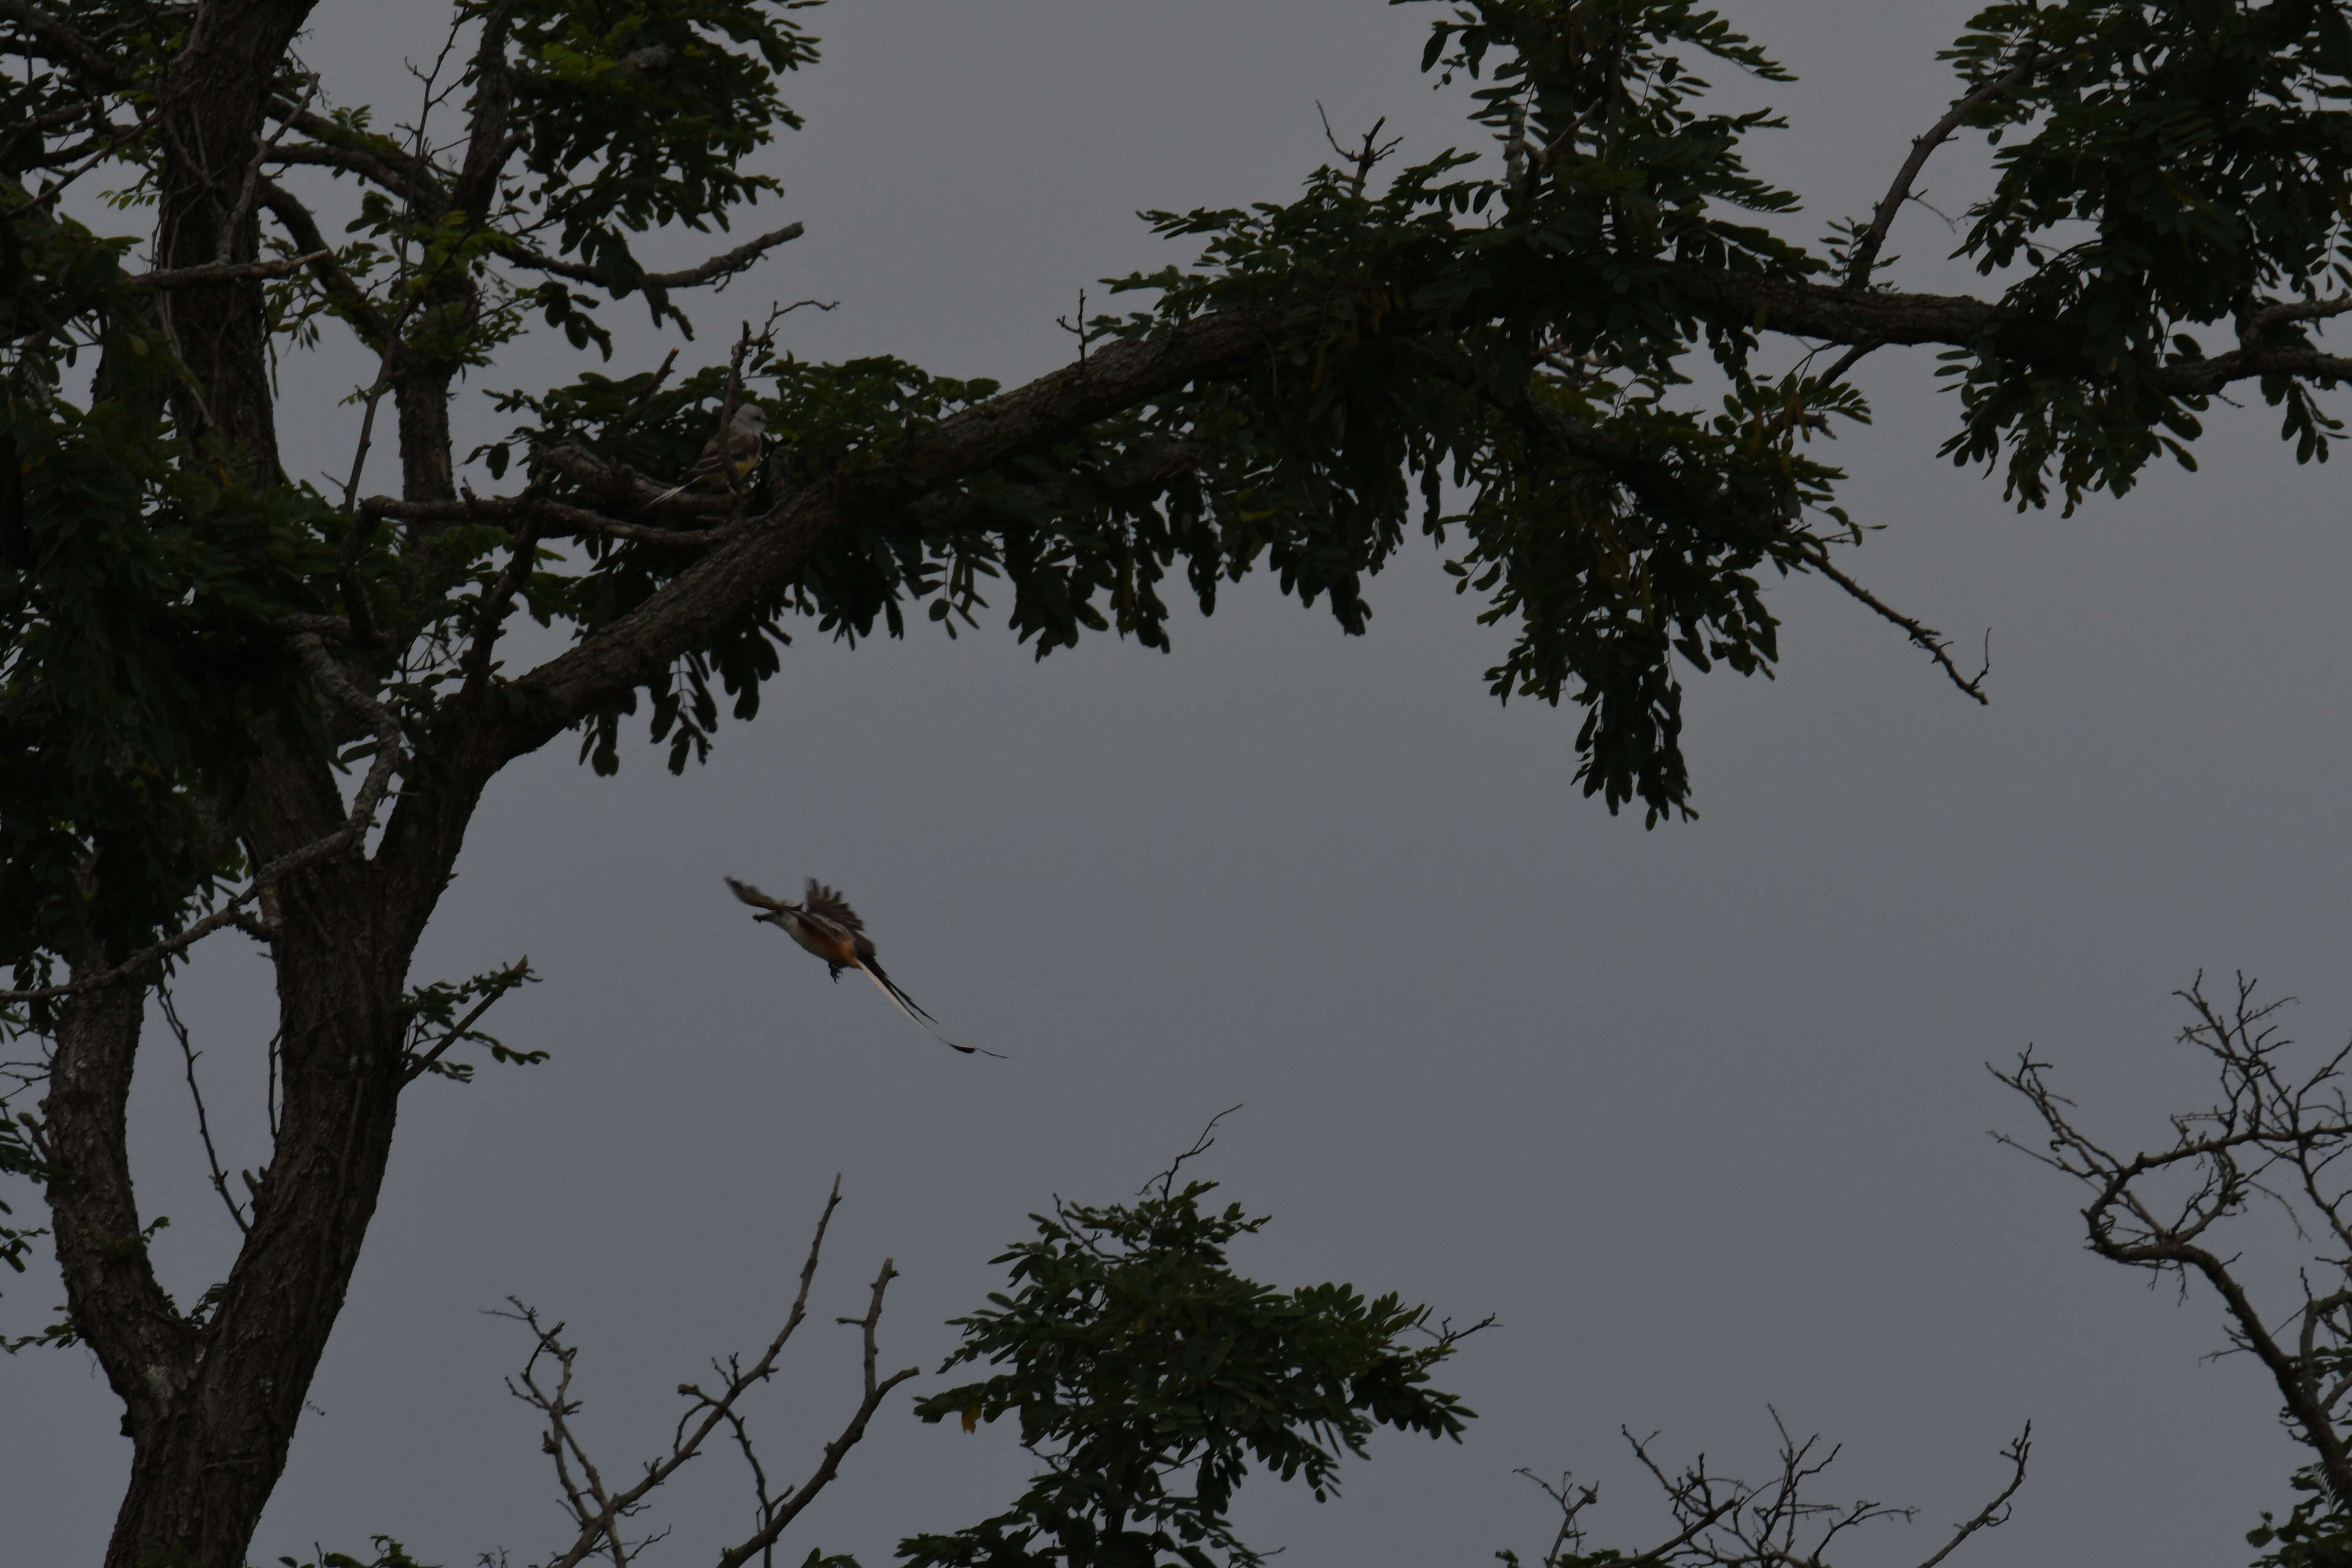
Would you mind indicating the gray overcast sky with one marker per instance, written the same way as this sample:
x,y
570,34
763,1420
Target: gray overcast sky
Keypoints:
x,y
1700,1113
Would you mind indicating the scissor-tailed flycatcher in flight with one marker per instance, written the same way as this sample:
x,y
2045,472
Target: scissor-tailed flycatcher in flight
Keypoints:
x,y
728,456
825,925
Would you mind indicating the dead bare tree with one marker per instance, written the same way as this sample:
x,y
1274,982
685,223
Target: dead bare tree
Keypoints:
x,y
2275,1130
599,1510
1724,1523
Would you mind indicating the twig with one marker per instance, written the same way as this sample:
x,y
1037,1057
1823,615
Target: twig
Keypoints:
x,y
1079,331
1166,1180
1995,1512
653,386
418,1067
1921,635
1846,362
252,183
1362,159
204,1128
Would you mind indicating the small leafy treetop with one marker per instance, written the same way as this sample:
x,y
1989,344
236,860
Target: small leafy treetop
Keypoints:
x,y
1148,1376
235,696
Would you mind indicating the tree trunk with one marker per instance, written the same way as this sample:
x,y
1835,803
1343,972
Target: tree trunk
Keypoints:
x,y
208,210
211,1408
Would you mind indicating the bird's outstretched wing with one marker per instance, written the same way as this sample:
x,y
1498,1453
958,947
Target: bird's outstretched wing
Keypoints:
x,y
824,902
914,1010
753,896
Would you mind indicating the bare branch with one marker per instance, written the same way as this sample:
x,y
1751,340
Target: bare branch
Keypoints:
x,y
496,605
1865,253
2265,1120
188,1055
1996,1512
552,517
1363,159
599,1511
1920,634
251,185
396,176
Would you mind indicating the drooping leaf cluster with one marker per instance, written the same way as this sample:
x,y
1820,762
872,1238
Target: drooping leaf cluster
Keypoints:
x,y
1150,1377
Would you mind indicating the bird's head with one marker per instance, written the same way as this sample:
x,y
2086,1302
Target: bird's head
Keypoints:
x,y
752,418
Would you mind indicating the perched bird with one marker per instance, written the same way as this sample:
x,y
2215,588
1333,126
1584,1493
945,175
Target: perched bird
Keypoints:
x,y
728,456
824,925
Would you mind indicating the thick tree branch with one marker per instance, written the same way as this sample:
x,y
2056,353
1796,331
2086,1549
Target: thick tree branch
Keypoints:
x,y
415,180
227,271
767,554
341,289
116,1302
553,517
487,143
1871,319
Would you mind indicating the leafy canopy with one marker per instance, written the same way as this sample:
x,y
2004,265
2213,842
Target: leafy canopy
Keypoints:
x,y
1149,1376
1497,353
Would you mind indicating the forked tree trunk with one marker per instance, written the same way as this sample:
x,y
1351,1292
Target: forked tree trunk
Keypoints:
x,y
211,1407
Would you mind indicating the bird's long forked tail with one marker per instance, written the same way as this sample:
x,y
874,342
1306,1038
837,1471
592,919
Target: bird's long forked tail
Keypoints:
x,y
914,1010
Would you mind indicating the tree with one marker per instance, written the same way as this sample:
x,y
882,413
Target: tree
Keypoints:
x,y
199,653
1136,1353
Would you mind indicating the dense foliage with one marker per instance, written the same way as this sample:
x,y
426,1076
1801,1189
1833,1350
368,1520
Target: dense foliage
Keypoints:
x,y
1138,1361
1585,364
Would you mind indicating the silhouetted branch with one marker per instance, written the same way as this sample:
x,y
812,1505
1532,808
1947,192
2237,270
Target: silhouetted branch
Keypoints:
x,y
1865,253
1922,635
188,1054
1724,1523
2272,1131
599,1511
225,271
